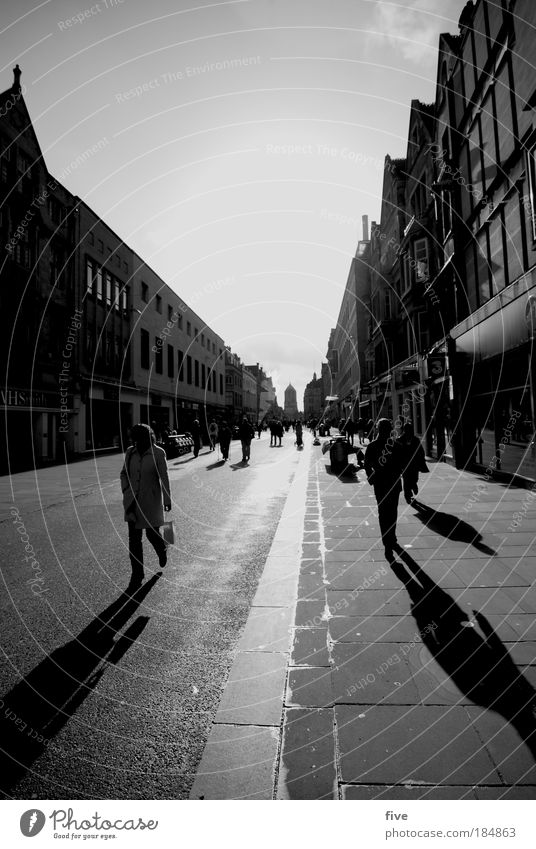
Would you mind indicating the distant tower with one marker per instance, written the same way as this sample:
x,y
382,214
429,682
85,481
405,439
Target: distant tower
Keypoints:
x,y
291,404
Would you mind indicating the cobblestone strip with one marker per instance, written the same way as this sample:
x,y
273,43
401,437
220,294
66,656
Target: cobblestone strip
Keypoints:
x,y
241,757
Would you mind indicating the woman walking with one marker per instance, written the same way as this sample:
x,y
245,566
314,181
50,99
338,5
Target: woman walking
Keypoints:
x,y
145,485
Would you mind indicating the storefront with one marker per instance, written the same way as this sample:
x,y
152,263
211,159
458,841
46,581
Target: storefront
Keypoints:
x,y
496,383
108,416
34,428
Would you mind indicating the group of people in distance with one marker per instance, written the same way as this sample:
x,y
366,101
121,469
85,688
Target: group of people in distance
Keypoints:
x,y
392,464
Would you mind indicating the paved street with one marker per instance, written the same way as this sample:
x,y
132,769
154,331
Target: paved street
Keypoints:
x,y
278,655
105,696
403,681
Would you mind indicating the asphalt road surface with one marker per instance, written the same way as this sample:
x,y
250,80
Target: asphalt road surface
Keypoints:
x,y
106,696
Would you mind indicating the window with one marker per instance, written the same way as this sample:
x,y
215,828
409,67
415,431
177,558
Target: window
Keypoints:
x,y
170,360
124,299
203,376
144,348
188,328
221,384
158,357
189,369
180,365
158,304
99,284
125,267
89,277
213,347
108,288
203,339
421,260
387,305
144,292
100,246
117,296
196,332
196,372
180,322
91,237
169,313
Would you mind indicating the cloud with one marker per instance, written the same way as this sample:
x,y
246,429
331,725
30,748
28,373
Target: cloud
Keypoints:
x,y
413,26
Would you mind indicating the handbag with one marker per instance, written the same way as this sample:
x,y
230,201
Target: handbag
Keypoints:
x,y
168,532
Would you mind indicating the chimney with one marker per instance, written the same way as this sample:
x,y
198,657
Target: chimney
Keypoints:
x,y
365,228
16,79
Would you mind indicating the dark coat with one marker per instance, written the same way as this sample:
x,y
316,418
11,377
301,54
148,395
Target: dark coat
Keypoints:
x,y
383,465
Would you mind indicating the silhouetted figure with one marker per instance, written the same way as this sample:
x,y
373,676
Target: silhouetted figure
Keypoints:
x,y
225,439
451,527
145,486
481,667
383,465
413,461
247,433
195,430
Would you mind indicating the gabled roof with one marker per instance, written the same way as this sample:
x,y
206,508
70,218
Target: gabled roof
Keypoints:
x,y
14,95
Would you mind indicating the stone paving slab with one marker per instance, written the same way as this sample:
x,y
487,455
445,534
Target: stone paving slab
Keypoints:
x,y
372,673
307,766
309,687
417,744
267,629
373,629
253,695
310,647
238,763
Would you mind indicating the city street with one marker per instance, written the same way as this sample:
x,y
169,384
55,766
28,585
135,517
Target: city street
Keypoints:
x,y
110,697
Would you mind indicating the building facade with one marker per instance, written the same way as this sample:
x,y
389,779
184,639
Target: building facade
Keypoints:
x,y
313,399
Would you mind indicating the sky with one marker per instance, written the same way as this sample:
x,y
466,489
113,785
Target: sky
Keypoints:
x,y
237,144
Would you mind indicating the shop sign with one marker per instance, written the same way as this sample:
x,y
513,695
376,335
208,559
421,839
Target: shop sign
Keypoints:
x,y
24,399
437,366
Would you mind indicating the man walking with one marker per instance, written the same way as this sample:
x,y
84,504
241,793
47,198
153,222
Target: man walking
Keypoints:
x,y
383,465
145,485
246,435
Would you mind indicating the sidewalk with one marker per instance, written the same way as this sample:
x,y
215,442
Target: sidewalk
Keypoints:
x,y
359,679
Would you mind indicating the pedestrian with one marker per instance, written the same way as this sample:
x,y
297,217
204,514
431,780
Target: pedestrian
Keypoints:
x,y
272,433
279,432
145,485
413,461
259,429
299,434
383,466
213,434
195,430
246,435
226,435
361,430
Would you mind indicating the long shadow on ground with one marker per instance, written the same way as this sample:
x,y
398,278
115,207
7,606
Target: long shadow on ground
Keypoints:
x,y
38,707
481,667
